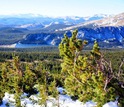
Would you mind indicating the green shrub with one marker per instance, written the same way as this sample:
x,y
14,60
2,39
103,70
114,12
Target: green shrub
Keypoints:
x,y
88,76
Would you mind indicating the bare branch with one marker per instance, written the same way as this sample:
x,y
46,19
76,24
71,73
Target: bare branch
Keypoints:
x,y
119,72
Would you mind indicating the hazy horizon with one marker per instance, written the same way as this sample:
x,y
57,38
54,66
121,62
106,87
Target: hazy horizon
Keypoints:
x,y
56,8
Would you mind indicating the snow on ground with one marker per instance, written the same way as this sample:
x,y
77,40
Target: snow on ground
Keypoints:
x,y
8,46
64,101
111,104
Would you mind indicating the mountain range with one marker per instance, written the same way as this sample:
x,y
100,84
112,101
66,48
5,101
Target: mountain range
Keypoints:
x,y
108,30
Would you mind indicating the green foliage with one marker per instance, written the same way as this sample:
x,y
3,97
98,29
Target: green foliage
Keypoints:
x,y
17,78
3,80
46,85
1,88
29,80
87,77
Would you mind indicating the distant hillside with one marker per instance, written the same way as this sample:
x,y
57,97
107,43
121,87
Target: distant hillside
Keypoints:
x,y
106,36
115,21
39,21
10,35
107,30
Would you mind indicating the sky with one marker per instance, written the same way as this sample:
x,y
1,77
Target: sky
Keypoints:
x,y
57,8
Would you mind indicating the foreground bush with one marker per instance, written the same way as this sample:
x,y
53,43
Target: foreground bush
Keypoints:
x,y
18,79
89,77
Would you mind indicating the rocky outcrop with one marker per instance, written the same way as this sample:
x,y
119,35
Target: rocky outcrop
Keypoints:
x,y
106,36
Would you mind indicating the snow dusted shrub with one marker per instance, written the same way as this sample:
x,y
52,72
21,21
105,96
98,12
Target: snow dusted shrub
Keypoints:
x,y
87,77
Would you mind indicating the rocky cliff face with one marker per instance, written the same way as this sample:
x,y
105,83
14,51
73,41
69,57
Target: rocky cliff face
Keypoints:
x,y
106,36
43,38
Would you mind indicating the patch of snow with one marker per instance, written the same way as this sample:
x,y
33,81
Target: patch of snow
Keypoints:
x,y
26,25
53,42
106,41
86,18
111,104
8,98
75,18
48,25
89,104
56,22
38,38
119,46
8,46
111,39
64,101
46,37
60,90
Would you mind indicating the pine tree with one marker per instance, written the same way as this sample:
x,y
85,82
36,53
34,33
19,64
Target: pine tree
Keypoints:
x,y
86,77
2,81
18,74
46,86
28,80
11,79
4,71
53,91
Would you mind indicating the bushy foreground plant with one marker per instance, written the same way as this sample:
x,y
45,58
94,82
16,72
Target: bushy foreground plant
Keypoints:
x,y
46,85
88,77
17,80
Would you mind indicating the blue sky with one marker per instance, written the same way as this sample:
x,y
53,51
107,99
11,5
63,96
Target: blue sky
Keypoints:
x,y
62,7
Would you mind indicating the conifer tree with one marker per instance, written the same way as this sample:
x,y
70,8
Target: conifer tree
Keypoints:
x,y
42,88
2,81
28,80
4,71
17,81
86,77
53,91
46,86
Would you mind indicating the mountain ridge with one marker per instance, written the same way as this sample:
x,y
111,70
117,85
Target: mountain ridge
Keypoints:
x,y
24,19
50,32
114,20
